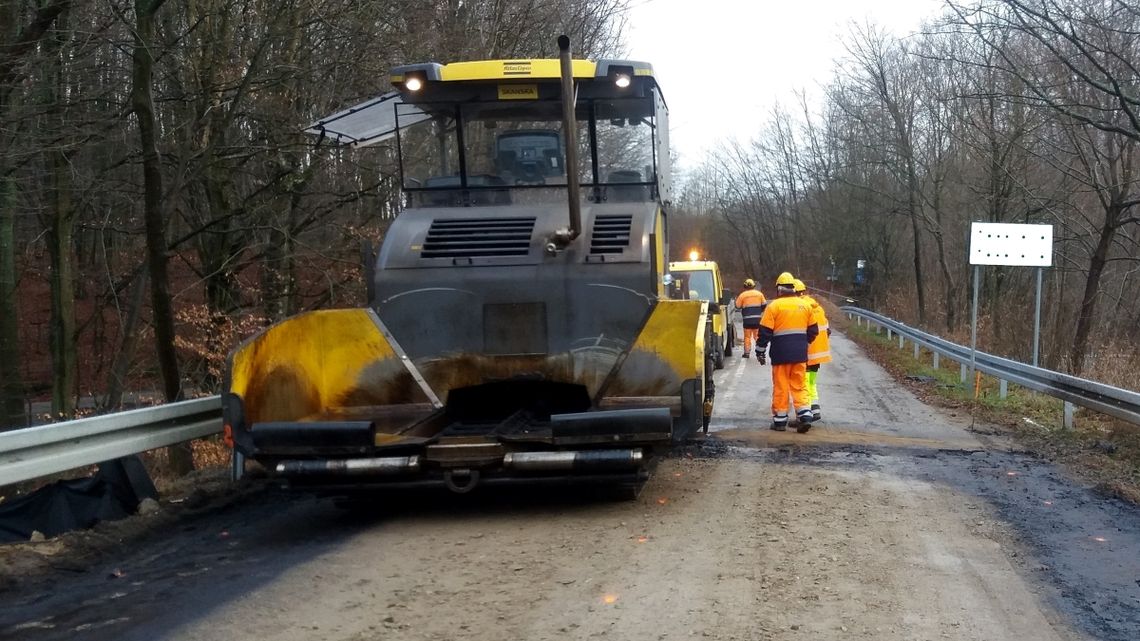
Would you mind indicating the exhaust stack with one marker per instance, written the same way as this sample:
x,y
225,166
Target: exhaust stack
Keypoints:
x,y
563,237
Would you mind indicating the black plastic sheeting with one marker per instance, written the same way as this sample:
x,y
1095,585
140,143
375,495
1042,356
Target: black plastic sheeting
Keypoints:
x,y
114,492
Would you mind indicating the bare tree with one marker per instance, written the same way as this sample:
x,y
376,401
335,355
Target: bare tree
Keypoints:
x,y
157,144
180,457
23,26
881,77
1078,60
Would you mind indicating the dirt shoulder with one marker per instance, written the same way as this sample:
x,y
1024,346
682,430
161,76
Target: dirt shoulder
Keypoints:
x,y
1100,450
200,493
745,544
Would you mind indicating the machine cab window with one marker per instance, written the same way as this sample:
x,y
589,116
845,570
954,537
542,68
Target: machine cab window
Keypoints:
x,y
470,150
702,286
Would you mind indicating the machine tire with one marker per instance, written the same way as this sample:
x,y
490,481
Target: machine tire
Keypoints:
x,y
730,341
710,390
718,357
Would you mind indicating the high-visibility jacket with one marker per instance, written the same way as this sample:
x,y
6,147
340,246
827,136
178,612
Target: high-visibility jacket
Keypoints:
x,y
819,350
787,324
751,303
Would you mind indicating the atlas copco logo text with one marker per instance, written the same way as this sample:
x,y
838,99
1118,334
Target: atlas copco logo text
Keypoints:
x,y
516,68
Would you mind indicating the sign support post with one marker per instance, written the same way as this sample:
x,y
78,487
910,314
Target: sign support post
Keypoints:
x,y
1008,245
1037,319
974,325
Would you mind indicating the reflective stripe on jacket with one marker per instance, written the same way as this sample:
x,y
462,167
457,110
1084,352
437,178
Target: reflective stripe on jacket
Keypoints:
x,y
819,351
751,303
788,325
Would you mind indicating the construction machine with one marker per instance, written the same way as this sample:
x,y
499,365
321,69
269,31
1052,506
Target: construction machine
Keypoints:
x,y
518,326
701,280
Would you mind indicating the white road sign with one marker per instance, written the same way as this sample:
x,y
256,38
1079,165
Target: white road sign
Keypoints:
x,y
1011,244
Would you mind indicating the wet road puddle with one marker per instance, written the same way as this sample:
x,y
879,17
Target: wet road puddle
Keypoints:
x,y
828,436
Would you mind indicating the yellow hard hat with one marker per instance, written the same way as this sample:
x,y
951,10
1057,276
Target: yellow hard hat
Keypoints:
x,y
799,285
786,279
748,282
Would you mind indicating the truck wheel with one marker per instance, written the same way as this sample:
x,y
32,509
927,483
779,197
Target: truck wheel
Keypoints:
x,y
731,336
718,358
710,395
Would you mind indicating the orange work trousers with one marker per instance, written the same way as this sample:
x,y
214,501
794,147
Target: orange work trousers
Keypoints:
x,y
751,335
789,378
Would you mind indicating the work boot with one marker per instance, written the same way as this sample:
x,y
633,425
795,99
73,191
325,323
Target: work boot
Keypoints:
x,y
804,418
780,422
745,354
815,413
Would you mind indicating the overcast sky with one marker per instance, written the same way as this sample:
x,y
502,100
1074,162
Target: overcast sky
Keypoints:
x,y
723,64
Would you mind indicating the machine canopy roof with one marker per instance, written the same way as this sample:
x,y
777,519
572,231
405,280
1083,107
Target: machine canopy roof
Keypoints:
x,y
370,122
374,121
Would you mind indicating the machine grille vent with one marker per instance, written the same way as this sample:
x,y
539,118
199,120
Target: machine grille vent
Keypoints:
x,y
611,234
471,237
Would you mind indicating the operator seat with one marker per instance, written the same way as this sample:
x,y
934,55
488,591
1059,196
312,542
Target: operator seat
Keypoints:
x,y
617,192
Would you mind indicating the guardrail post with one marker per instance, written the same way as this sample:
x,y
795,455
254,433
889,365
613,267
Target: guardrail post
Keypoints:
x,y
1003,389
890,334
237,465
916,351
962,373
936,359
1068,419
901,342
878,328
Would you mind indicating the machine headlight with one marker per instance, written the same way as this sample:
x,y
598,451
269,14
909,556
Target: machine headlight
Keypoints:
x,y
622,80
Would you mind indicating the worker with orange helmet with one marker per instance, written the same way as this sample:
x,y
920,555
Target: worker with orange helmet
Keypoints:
x,y
787,324
819,351
751,303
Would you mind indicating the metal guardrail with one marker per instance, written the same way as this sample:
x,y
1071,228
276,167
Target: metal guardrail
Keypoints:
x,y
1114,401
47,449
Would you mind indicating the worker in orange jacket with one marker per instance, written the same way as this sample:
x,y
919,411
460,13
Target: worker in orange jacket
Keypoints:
x,y
788,326
819,351
751,303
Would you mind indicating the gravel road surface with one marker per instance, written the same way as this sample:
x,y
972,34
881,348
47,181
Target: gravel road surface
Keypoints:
x,y
891,520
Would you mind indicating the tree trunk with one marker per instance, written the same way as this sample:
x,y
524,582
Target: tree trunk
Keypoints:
x,y
11,388
127,342
1054,348
142,103
216,246
61,228
905,146
920,287
16,43
950,286
1092,285
63,357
